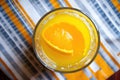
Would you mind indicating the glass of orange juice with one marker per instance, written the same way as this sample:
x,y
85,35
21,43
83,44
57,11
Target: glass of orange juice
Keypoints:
x,y
65,40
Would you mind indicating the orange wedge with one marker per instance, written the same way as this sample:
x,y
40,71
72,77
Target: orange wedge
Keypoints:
x,y
59,38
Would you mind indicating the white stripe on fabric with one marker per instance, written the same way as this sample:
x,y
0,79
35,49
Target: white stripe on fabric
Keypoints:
x,y
87,72
106,11
108,60
63,3
30,10
82,7
74,5
112,52
60,76
44,5
38,7
14,58
94,66
47,2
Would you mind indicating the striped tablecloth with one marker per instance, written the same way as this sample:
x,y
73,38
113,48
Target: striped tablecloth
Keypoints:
x,y
17,22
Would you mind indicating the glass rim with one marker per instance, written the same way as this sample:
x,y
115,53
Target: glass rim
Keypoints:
x,y
33,41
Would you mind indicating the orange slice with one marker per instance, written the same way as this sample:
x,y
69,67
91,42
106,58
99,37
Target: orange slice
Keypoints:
x,y
59,38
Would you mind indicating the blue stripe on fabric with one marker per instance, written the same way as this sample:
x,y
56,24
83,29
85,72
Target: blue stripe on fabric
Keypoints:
x,y
108,21
17,50
114,8
20,17
87,72
104,16
112,45
92,1
38,7
14,27
8,30
49,4
109,12
11,61
96,5
6,36
108,60
59,1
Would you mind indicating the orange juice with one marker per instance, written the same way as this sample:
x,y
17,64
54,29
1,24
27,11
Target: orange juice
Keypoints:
x,y
66,40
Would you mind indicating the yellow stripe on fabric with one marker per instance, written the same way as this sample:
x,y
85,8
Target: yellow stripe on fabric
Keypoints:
x,y
116,3
7,68
98,75
109,54
55,3
16,22
105,69
68,4
24,13
2,2
80,75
